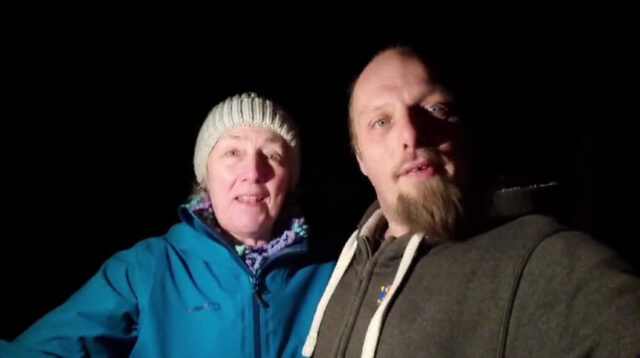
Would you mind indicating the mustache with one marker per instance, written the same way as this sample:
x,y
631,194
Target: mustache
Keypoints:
x,y
434,158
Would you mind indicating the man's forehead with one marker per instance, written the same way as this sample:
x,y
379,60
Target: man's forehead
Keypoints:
x,y
385,90
393,71
390,68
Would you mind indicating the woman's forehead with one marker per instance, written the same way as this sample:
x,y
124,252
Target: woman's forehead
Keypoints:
x,y
252,134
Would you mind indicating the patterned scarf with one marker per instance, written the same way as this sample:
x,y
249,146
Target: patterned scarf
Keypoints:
x,y
253,256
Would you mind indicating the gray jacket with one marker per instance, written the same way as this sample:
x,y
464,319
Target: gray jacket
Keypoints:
x,y
528,288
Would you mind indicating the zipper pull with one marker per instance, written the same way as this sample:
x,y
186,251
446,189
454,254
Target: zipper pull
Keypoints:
x,y
257,294
260,300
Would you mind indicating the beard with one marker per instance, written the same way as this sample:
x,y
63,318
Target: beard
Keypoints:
x,y
434,209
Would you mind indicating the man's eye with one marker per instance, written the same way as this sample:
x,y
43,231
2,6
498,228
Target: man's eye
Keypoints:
x,y
275,156
438,110
380,122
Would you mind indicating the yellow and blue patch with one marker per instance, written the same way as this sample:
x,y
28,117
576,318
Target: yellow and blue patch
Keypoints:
x,y
382,293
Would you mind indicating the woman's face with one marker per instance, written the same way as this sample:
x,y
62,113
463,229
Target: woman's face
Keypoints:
x,y
248,173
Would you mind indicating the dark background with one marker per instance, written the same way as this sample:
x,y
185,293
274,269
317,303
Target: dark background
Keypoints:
x,y
105,103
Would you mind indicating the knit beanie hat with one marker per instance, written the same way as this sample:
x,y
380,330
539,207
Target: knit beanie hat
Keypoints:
x,y
247,109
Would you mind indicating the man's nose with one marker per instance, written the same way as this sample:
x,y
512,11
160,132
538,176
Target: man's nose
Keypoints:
x,y
420,129
409,132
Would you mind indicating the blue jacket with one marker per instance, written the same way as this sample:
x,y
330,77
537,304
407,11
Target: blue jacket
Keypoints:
x,y
186,294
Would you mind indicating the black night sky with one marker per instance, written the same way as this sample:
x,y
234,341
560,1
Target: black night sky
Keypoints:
x,y
105,104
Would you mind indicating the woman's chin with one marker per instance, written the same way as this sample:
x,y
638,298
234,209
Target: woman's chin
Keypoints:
x,y
253,227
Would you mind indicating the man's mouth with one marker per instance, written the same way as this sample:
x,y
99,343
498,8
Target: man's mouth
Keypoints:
x,y
421,170
422,167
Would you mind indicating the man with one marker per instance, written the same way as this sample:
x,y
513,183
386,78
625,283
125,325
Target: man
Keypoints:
x,y
412,281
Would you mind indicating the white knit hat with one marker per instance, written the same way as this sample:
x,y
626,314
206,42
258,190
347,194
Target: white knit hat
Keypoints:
x,y
247,109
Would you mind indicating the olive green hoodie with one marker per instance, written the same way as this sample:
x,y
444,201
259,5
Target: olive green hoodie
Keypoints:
x,y
528,288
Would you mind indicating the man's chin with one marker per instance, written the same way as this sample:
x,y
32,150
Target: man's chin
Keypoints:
x,y
413,187
433,207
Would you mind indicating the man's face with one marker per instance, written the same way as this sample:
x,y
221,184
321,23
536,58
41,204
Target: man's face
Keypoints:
x,y
403,135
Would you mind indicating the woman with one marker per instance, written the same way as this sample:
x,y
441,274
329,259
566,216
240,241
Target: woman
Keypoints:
x,y
232,279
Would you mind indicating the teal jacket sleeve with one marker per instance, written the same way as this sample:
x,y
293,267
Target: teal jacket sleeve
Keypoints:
x,y
99,320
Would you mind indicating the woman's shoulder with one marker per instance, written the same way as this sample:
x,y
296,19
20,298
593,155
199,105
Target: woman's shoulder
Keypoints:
x,y
146,249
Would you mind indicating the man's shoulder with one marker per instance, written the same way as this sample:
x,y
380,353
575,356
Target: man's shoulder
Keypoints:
x,y
508,248
516,237
543,236
534,243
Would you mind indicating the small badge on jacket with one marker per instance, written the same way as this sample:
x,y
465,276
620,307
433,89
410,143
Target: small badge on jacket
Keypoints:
x,y
383,292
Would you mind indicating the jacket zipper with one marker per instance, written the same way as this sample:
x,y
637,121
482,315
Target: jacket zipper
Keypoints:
x,y
257,349
256,283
